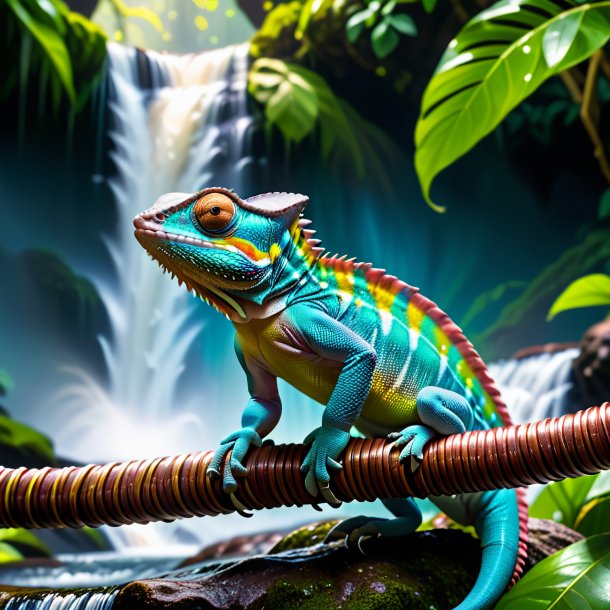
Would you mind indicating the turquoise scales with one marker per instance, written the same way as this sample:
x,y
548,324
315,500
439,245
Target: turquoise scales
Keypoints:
x,y
377,353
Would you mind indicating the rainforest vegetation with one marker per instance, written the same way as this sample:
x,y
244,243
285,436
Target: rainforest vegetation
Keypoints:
x,y
459,112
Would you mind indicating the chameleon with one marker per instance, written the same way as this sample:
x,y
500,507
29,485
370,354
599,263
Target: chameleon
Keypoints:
x,y
380,356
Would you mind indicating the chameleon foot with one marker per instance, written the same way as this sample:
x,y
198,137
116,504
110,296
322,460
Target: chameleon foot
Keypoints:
x,y
413,439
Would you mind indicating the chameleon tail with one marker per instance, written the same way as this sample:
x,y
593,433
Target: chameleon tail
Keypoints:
x,y
497,525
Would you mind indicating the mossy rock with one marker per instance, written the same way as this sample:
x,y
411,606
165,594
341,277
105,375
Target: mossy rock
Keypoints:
x,y
432,569
304,537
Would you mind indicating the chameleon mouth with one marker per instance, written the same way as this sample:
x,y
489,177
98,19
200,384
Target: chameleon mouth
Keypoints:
x,y
151,230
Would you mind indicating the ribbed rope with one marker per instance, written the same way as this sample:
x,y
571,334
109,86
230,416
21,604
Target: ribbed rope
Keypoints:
x,y
164,489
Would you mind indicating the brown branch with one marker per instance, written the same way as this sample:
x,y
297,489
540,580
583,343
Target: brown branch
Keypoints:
x,y
170,488
590,113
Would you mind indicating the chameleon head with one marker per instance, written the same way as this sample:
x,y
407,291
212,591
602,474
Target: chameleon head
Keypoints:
x,y
224,248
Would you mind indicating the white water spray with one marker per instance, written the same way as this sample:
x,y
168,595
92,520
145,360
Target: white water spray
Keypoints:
x,y
178,123
535,387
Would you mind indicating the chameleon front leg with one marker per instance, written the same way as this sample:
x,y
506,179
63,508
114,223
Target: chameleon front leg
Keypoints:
x,y
324,337
260,416
441,412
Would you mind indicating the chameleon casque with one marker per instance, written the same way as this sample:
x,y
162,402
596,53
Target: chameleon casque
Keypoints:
x,y
378,354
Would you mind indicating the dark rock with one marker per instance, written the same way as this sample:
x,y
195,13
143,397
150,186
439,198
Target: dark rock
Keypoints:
x,y
434,568
548,537
427,568
592,366
240,546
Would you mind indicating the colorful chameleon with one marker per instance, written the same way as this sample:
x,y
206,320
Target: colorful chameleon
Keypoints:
x,y
378,354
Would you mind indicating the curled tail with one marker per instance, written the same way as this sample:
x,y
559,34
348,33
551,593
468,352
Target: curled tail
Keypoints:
x,y
497,524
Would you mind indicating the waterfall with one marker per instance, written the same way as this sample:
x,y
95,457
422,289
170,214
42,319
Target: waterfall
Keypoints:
x,y
177,123
86,600
537,386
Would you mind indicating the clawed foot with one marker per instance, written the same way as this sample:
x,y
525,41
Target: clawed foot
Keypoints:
x,y
413,439
327,443
355,531
239,442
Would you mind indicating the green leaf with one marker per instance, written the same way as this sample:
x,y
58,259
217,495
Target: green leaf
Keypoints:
x,y
495,62
355,24
563,500
388,8
25,542
594,518
601,486
8,553
52,43
404,24
586,291
559,37
383,39
604,205
429,5
290,101
575,577
27,440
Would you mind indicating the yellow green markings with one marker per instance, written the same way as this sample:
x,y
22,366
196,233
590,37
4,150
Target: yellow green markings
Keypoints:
x,y
247,248
274,252
415,317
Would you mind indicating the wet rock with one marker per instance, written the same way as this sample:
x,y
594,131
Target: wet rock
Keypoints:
x,y
548,537
429,569
433,568
592,366
240,546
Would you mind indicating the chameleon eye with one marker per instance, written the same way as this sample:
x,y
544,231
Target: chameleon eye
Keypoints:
x,y
214,212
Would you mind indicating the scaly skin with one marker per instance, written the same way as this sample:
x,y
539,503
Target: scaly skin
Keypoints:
x,y
380,356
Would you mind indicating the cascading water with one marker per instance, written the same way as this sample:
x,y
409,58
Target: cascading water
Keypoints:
x,y
178,123
87,600
537,386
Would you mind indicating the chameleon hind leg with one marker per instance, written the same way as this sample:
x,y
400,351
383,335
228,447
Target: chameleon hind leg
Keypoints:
x,y
441,412
357,529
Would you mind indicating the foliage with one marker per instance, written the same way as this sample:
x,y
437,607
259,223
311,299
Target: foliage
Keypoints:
x,y
278,29
384,24
566,500
575,577
526,310
139,12
604,206
499,58
587,291
23,542
296,100
28,441
69,49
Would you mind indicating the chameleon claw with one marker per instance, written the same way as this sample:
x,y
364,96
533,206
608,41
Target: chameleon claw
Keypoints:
x,y
415,464
212,474
330,497
359,543
239,507
316,506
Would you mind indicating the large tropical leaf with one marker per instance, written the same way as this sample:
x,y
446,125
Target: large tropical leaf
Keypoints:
x,y
290,100
594,518
499,58
586,291
563,500
575,577
48,29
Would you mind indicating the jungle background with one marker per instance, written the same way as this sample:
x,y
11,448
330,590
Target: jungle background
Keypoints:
x,y
108,358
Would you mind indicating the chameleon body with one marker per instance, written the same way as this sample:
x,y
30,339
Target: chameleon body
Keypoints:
x,y
378,354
